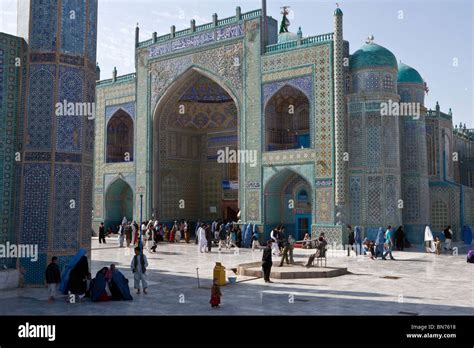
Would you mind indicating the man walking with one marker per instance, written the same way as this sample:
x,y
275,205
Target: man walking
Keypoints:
x,y
267,262
448,234
53,278
102,233
388,244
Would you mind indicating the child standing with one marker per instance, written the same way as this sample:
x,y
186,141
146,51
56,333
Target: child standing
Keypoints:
x,y
53,278
138,266
215,295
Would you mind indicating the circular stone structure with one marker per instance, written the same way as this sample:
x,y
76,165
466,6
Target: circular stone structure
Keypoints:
x,y
295,271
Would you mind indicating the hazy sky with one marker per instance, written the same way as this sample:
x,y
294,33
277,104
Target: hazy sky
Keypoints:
x,y
429,35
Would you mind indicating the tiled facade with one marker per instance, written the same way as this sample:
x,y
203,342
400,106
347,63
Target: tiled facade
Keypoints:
x,y
385,179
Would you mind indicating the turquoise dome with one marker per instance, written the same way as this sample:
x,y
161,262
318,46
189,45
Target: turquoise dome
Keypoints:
x,y
406,74
372,55
338,12
286,37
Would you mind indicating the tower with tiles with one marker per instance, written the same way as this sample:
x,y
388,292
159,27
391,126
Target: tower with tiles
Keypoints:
x,y
55,199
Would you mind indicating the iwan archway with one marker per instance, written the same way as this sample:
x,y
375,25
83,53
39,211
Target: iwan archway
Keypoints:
x,y
288,202
197,117
118,203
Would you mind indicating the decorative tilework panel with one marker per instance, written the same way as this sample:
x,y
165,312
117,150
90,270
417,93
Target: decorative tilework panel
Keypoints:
x,y
373,141
73,26
253,206
44,25
323,205
69,127
391,199
36,205
110,110
67,207
92,33
411,199
41,106
355,194
34,270
304,84
374,199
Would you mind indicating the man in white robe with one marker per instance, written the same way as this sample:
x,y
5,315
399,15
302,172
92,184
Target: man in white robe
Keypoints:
x,y
429,240
202,239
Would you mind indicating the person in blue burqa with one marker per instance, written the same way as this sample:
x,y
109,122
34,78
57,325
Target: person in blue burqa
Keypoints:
x,y
100,288
379,243
118,284
358,240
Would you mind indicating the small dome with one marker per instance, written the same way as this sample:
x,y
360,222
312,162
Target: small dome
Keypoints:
x,y
286,37
372,55
406,74
338,12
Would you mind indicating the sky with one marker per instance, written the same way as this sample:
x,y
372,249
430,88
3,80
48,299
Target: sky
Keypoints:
x,y
434,36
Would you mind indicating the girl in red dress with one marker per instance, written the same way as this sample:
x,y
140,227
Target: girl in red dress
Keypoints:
x,y
215,295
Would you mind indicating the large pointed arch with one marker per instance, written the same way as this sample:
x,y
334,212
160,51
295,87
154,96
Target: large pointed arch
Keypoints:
x,y
171,140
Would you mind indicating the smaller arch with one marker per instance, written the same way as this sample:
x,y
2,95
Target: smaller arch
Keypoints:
x,y
118,203
120,138
287,120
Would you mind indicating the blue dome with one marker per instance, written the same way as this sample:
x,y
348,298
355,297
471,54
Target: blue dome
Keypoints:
x,y
372,56
337,12
406,74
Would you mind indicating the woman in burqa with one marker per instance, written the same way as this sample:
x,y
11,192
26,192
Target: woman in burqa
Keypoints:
x,y
429,240
77,279
379,243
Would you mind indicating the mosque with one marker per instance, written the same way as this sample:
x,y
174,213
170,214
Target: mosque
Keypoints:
x,y
326,154
234,119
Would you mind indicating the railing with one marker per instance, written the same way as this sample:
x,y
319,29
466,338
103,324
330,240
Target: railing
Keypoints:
x,y
182,33
226,21
299,43
123,78
251,14
203,27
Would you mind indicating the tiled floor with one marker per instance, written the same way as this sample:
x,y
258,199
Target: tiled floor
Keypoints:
x,y
417,283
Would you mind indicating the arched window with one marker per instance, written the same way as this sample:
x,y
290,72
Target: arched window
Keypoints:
x,y
287,120
120,138
302,196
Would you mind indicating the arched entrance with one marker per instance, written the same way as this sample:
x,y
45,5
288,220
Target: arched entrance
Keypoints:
x,y
118,203
287,120
120,138
194,123
288,202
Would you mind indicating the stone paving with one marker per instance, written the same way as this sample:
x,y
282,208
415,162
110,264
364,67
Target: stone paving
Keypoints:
x,y
416,283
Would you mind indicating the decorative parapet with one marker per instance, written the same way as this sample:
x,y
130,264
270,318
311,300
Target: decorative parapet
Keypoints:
x,y
309,41
120,79
434,114
464,133
201,28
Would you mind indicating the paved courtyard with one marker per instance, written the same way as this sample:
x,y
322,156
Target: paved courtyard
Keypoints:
x,y
417,283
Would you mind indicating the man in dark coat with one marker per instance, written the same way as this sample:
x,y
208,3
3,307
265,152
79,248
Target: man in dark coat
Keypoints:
x,y
267,262
209,236
102,233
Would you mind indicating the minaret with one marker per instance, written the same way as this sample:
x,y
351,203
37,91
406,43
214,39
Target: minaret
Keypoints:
x,y
57,157
339,118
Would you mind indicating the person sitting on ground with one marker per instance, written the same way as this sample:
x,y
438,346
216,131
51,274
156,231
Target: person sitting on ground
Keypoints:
x,y
369,247
100,291
118,285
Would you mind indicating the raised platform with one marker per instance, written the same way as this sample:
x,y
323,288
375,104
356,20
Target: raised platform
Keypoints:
x,y
295,271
